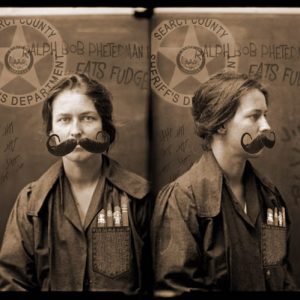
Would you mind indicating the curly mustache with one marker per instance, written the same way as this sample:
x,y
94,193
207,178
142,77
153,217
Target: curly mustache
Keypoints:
x,y
265,139
67,146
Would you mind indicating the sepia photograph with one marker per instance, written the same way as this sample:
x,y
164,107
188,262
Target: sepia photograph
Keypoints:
x,y
75,190
225,86
149,151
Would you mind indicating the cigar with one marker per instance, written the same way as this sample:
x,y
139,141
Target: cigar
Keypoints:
x,y
275,216
283,217
280,217
124,208
270,220
109,218
117,216
101,218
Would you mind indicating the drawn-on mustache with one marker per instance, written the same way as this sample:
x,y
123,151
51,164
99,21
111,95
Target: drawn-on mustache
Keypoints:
x,y
66,147
62,148
99,145
265,139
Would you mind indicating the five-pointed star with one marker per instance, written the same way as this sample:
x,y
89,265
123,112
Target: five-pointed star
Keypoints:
x,y
172,52
30,76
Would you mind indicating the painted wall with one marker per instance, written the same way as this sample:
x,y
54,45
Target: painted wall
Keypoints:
x,y
35,52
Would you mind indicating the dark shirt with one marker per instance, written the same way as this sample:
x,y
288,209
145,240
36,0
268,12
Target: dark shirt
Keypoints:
x,y
46,247
193,247
246,272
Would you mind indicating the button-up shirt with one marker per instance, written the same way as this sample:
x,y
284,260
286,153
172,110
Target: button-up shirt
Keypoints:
x,y
191,239
45,246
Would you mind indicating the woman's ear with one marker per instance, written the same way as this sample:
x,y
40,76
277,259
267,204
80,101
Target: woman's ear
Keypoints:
x,y
222,129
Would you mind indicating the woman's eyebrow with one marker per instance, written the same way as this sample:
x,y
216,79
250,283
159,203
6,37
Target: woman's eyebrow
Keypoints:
x,y
257,111
89,112
63,114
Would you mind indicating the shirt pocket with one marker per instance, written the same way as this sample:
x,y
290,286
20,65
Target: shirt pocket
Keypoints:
x,y
274,244
111,250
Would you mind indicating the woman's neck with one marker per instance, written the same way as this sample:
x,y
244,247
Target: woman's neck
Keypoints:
x,y
232,166
83,173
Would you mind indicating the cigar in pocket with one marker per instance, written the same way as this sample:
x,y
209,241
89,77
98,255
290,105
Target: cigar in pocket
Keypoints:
x,y
101,218
117,216
283,217
124,208
275,216
270,219
280,217
109,219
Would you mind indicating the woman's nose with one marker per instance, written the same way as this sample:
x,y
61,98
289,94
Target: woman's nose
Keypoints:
x,y
76,129
264,125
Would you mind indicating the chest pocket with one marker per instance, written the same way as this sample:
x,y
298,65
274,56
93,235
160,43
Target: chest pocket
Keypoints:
x,y
274,244
111,250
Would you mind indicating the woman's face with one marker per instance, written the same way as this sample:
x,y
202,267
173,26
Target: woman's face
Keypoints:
x,y
74,116
250,117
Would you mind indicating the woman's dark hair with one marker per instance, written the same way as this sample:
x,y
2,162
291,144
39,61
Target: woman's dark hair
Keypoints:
x,y
100,96
217,100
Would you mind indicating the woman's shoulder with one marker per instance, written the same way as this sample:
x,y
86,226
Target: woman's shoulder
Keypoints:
x,y
33,194
128,181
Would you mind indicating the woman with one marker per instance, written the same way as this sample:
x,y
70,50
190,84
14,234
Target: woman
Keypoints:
x,y
222,226
83,224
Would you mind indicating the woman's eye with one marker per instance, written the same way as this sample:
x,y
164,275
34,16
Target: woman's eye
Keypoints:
x,y
64,120
254,117
89,118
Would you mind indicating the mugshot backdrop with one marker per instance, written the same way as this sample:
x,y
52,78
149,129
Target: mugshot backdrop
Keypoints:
x,y
35,52
186,49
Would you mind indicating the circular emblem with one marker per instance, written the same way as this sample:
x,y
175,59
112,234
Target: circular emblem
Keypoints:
x,y
18,60
190,59
185,53
32,61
